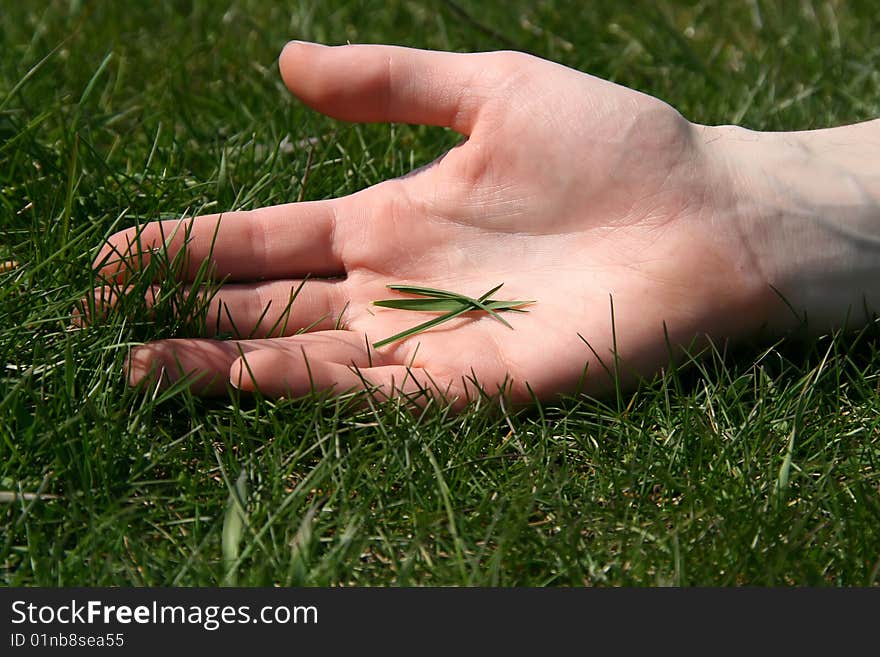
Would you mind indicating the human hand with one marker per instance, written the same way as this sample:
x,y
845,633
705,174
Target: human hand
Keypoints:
x,y
568,189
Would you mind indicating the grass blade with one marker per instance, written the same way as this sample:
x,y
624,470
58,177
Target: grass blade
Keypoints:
x,y
234,522
423,305
443,305
482,306
453,303
422,327
424,291
446,294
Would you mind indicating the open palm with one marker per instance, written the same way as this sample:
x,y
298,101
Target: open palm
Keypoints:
x,y
570,190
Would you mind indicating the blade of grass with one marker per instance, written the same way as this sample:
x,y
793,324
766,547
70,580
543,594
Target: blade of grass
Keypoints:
x,y
432,292
233,528
446,294
442,300
437,294
443,305
482,306
422,327
31,72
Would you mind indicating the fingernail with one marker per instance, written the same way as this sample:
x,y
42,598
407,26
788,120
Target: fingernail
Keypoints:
x,y
297,42
235,371
240,376
136,366
291,44
86,310
77,319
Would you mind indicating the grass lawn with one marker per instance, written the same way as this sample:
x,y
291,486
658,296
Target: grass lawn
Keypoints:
x,y
749,466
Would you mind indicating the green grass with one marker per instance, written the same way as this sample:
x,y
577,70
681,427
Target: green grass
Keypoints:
x,y
756,466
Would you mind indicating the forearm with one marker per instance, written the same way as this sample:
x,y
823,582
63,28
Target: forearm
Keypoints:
x,y
807,205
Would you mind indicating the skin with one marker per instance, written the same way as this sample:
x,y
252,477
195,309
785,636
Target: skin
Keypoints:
x,y
569,189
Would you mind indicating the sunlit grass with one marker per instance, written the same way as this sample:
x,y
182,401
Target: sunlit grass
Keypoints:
x,y
751,466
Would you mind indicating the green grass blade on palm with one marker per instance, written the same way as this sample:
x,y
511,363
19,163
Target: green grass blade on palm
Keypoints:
x,y
434,293
444,305
452,304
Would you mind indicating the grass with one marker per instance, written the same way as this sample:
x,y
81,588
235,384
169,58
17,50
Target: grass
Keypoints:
x,y
754,466
452,303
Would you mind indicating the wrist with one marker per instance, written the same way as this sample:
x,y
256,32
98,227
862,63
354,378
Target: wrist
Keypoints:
x,y
806,208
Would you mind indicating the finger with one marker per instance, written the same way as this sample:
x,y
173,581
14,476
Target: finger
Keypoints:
x,y
291,374
282,241
276,308
387,83
244,310
104,299
202,362
206,363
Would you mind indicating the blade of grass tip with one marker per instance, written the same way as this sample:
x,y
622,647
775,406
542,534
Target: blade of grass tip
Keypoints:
x,y
153,150
285,312
222,178
72,185
308,369
256,327
781,486
338,325
308,329
514,305
480,303
233,528
482,306
617,388
305,177
247,367
301,547
31,73
92,81
489,293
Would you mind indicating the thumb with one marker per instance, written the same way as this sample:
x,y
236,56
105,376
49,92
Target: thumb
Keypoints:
x,y
373,83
